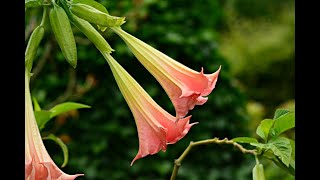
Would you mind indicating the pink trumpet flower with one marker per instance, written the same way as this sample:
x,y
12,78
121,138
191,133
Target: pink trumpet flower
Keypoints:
x,y
156,127
38,163
184,86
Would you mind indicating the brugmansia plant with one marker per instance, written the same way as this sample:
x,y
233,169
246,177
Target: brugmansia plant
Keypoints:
x,y
156,128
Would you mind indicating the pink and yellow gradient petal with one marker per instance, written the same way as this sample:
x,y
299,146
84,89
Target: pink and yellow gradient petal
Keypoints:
x,y
156,127
38,163
184,86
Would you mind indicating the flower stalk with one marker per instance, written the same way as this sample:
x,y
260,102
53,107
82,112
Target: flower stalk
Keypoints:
x,y
177,162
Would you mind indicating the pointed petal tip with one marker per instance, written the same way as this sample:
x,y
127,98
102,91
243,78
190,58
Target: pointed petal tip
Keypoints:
x,y
138,156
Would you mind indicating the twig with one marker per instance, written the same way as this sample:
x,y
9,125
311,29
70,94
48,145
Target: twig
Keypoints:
x,y
177,162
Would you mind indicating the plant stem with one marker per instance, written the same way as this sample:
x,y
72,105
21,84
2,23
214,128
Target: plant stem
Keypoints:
x,y
177,162
44,16
257,159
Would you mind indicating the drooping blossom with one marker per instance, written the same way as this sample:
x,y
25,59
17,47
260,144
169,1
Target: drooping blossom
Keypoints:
x,y
156,127
38,163
184,86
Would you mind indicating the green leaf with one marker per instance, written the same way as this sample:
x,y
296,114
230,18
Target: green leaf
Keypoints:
x,y
36,104
64,107
32,3
245,140
283,123
280,112
290,169
293,147
264,128
62,145
270,155
42,117
280,147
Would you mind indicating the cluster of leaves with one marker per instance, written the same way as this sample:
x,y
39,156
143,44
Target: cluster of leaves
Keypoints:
x,y
273,146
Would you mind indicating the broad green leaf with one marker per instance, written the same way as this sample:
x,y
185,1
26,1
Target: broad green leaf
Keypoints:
x,y
32,3
264,128
293,147
283,123
290,169
280,112
280,147
62,145
64,107
245,140
42,117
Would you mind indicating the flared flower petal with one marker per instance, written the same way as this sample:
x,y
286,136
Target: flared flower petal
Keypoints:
x,y
156,127
38,163
184,86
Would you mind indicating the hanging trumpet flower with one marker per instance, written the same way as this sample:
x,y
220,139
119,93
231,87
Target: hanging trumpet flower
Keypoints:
x,y
184,86
156,127
38,163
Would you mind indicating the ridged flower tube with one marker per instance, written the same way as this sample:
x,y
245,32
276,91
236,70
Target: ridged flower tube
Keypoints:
x,y
38,163
184,86
156,127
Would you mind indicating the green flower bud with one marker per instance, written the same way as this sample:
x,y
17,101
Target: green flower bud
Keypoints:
x,y
62,30
96,16
258,172
32,46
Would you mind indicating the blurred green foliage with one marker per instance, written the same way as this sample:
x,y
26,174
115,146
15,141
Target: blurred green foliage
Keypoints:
x,y
259,44
103,140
